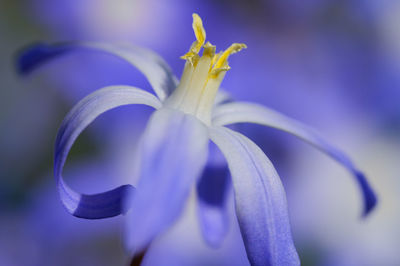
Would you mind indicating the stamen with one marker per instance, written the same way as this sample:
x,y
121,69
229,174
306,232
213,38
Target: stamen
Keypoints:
x,y
199,31
215,58
201,76
209,50
223,59
200,34
215,71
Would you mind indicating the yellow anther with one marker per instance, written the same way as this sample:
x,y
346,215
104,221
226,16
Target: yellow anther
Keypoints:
x,y
201,76
209,50
215,71
200,34
191,56
199,31
223,59
215,58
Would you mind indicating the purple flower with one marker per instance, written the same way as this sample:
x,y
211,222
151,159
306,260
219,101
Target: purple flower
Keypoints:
x,y
174,149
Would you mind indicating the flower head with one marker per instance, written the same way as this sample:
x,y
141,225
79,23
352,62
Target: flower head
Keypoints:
x,y
174,151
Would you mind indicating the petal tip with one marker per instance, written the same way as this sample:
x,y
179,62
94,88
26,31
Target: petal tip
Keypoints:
x,y
103,205
30,57
370,198
369,205
26,57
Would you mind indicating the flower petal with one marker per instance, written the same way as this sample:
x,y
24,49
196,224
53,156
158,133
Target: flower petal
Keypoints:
x,y
222,97
212,192
260,200
149,63
173,154
109,203
248,112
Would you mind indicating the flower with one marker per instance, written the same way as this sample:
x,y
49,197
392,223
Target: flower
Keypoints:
x,y
174,148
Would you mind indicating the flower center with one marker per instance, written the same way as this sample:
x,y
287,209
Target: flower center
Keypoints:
x,y
201,76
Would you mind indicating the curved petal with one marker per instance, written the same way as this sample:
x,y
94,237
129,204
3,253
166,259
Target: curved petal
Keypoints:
x,y
212,193
248,112
173,154
156,70
109,203
222,97
260,200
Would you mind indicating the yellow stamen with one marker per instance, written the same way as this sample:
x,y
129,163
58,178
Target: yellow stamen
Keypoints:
x,y
201,76
223,59
215,58
215,71
200,34
209,50
199,31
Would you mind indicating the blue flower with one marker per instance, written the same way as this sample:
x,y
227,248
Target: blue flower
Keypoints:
x,y
174,150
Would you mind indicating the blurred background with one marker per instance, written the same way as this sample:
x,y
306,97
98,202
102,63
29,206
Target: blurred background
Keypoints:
x,y
333,64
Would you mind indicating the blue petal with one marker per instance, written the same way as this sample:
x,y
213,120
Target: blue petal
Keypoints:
x,y
173,153
242,112
156,70
109,203
97,206
38,54
260,200
212,191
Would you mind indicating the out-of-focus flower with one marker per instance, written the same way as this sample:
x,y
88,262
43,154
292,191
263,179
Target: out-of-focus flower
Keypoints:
x,y
327,229
50,236
173,153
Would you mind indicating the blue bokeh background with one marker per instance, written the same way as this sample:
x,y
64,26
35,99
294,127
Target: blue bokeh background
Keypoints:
x,y
333,64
